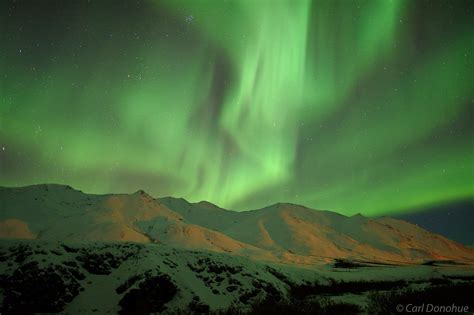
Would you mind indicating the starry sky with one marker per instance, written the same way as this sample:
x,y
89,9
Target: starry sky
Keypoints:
x,y
351,106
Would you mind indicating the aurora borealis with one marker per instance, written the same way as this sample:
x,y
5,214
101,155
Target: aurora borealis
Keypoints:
x,y
352,106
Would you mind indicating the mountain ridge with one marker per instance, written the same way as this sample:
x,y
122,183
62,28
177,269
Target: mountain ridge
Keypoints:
x,y
281,232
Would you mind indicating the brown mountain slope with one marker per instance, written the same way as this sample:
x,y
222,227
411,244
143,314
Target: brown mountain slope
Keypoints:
x,y
55,212
285,232
293,231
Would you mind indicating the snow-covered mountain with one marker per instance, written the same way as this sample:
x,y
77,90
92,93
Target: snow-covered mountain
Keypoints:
x,y
280,233
64,251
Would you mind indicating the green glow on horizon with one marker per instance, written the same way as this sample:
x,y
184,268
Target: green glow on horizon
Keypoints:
x,y
331,104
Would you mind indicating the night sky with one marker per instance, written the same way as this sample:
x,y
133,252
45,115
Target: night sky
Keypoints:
x,y
351,106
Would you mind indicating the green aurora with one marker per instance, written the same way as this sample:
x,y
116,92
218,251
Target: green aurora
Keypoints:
x,y
352,106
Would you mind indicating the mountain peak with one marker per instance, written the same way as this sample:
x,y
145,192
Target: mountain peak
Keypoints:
x,y
142,193
45,187
288,206
208,205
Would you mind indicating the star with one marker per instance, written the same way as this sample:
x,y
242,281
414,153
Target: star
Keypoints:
x,y
189,19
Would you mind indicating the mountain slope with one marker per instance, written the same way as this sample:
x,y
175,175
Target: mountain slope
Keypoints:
x,y
281,232
142,278
55,212
296,230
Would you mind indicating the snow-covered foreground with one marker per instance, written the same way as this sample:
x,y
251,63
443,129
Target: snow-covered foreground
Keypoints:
x,y
137,278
